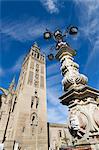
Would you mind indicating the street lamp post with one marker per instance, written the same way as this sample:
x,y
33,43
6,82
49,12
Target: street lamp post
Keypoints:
x,y
78,96
59,37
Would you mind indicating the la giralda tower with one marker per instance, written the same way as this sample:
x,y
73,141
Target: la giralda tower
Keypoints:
x,y
26,125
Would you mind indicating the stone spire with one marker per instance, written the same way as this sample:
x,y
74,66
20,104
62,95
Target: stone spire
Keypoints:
x,y
12,85
35,47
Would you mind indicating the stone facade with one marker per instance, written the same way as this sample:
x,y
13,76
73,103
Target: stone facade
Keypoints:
x,y
59,136
23,116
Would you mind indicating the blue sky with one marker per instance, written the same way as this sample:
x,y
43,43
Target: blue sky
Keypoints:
x,y
23,22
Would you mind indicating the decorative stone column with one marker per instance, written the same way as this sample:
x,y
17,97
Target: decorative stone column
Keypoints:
x,y
81,100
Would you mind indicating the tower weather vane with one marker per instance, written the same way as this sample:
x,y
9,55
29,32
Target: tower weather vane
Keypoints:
x,y
59,37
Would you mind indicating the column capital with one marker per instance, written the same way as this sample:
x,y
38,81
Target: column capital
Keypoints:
x,y
65,50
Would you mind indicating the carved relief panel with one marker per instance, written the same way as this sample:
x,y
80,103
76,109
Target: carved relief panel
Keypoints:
x,y
84,119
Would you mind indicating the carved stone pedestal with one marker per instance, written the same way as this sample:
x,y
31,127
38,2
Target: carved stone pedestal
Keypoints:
x,y
83,115
81,100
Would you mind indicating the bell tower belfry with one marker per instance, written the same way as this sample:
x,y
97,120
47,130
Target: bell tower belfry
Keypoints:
x,y
29,126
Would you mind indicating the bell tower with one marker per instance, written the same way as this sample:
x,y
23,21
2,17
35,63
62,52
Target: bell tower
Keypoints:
x,y
29,124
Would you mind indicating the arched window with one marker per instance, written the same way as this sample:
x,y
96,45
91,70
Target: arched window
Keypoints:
x,y
37,55
32,101
60,133
23,129
34,119
37,104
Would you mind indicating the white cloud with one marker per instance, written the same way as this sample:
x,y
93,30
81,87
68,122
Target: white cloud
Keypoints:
x,y
24,29
93,53
18,64
53,95
15,68
53,74
54,116
53,69
89,22
56,111
88,16
50,5
53,80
